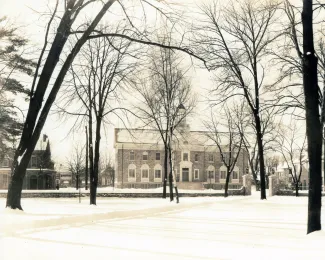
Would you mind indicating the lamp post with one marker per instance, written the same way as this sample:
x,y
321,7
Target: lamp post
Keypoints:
x,y
180,112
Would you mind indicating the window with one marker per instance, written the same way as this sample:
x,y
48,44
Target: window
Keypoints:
x,y
145,156
145,173
34,161
131,173
235,175
185,156
5,162
131,156
210,174
157,156
196,174
222,174
196,157
157,174
210,157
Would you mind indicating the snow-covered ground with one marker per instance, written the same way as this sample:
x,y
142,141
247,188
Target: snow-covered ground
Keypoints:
x,y
197,228
115,190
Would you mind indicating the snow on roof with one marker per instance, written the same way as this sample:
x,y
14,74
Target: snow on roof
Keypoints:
x,y
151,136
137,136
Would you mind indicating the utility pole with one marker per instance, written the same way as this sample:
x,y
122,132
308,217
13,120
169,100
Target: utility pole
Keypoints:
x,y
86,173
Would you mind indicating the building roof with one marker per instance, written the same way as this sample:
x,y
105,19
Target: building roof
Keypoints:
x,y
152,136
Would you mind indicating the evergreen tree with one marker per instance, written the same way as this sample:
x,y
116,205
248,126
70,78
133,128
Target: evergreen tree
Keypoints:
x,y
12,65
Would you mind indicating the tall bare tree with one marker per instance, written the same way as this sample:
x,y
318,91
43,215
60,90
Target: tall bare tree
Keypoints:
x,y
43,94
161,94
229,143
101,72
303,63
234,40
313,124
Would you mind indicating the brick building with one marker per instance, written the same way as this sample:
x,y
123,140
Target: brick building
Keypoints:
x,y
139,160
40,173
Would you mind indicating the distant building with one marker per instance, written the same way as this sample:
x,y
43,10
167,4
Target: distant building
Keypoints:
x,y
284,175
65,179
139,160
107,177
40,173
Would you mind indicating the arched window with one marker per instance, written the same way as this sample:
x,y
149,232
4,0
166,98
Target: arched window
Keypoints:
x,y
132,173
158,173
145,173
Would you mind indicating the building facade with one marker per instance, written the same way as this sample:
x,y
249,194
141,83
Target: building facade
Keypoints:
x,y
139,160
40,174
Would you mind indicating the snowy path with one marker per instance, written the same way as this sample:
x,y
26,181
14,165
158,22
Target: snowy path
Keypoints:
x,y
198,228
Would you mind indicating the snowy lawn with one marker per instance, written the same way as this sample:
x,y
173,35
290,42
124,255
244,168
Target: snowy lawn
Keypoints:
x,y
197,228
115,190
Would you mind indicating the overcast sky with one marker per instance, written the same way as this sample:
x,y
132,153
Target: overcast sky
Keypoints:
x,y
32,16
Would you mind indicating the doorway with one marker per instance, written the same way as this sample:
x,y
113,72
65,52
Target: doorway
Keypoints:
x,y
185,174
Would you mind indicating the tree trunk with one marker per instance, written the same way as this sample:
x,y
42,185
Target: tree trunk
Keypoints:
x,y
297,189
77,181
18,174
94,180
259,137
16,184
313,125
86,169
314,138
91,161
171,195
227,184
165,172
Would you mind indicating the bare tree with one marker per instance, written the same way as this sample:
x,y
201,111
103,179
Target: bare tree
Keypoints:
x,y
162,94
292,146
229,143
102,71
76,164
67,16
234,42
304,65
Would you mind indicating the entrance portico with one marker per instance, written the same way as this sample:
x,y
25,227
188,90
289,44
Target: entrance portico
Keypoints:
x,y
185,171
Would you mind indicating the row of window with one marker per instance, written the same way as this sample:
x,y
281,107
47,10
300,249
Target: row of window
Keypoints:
x,y
145,174
185,157
144,156
223,174
158,172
